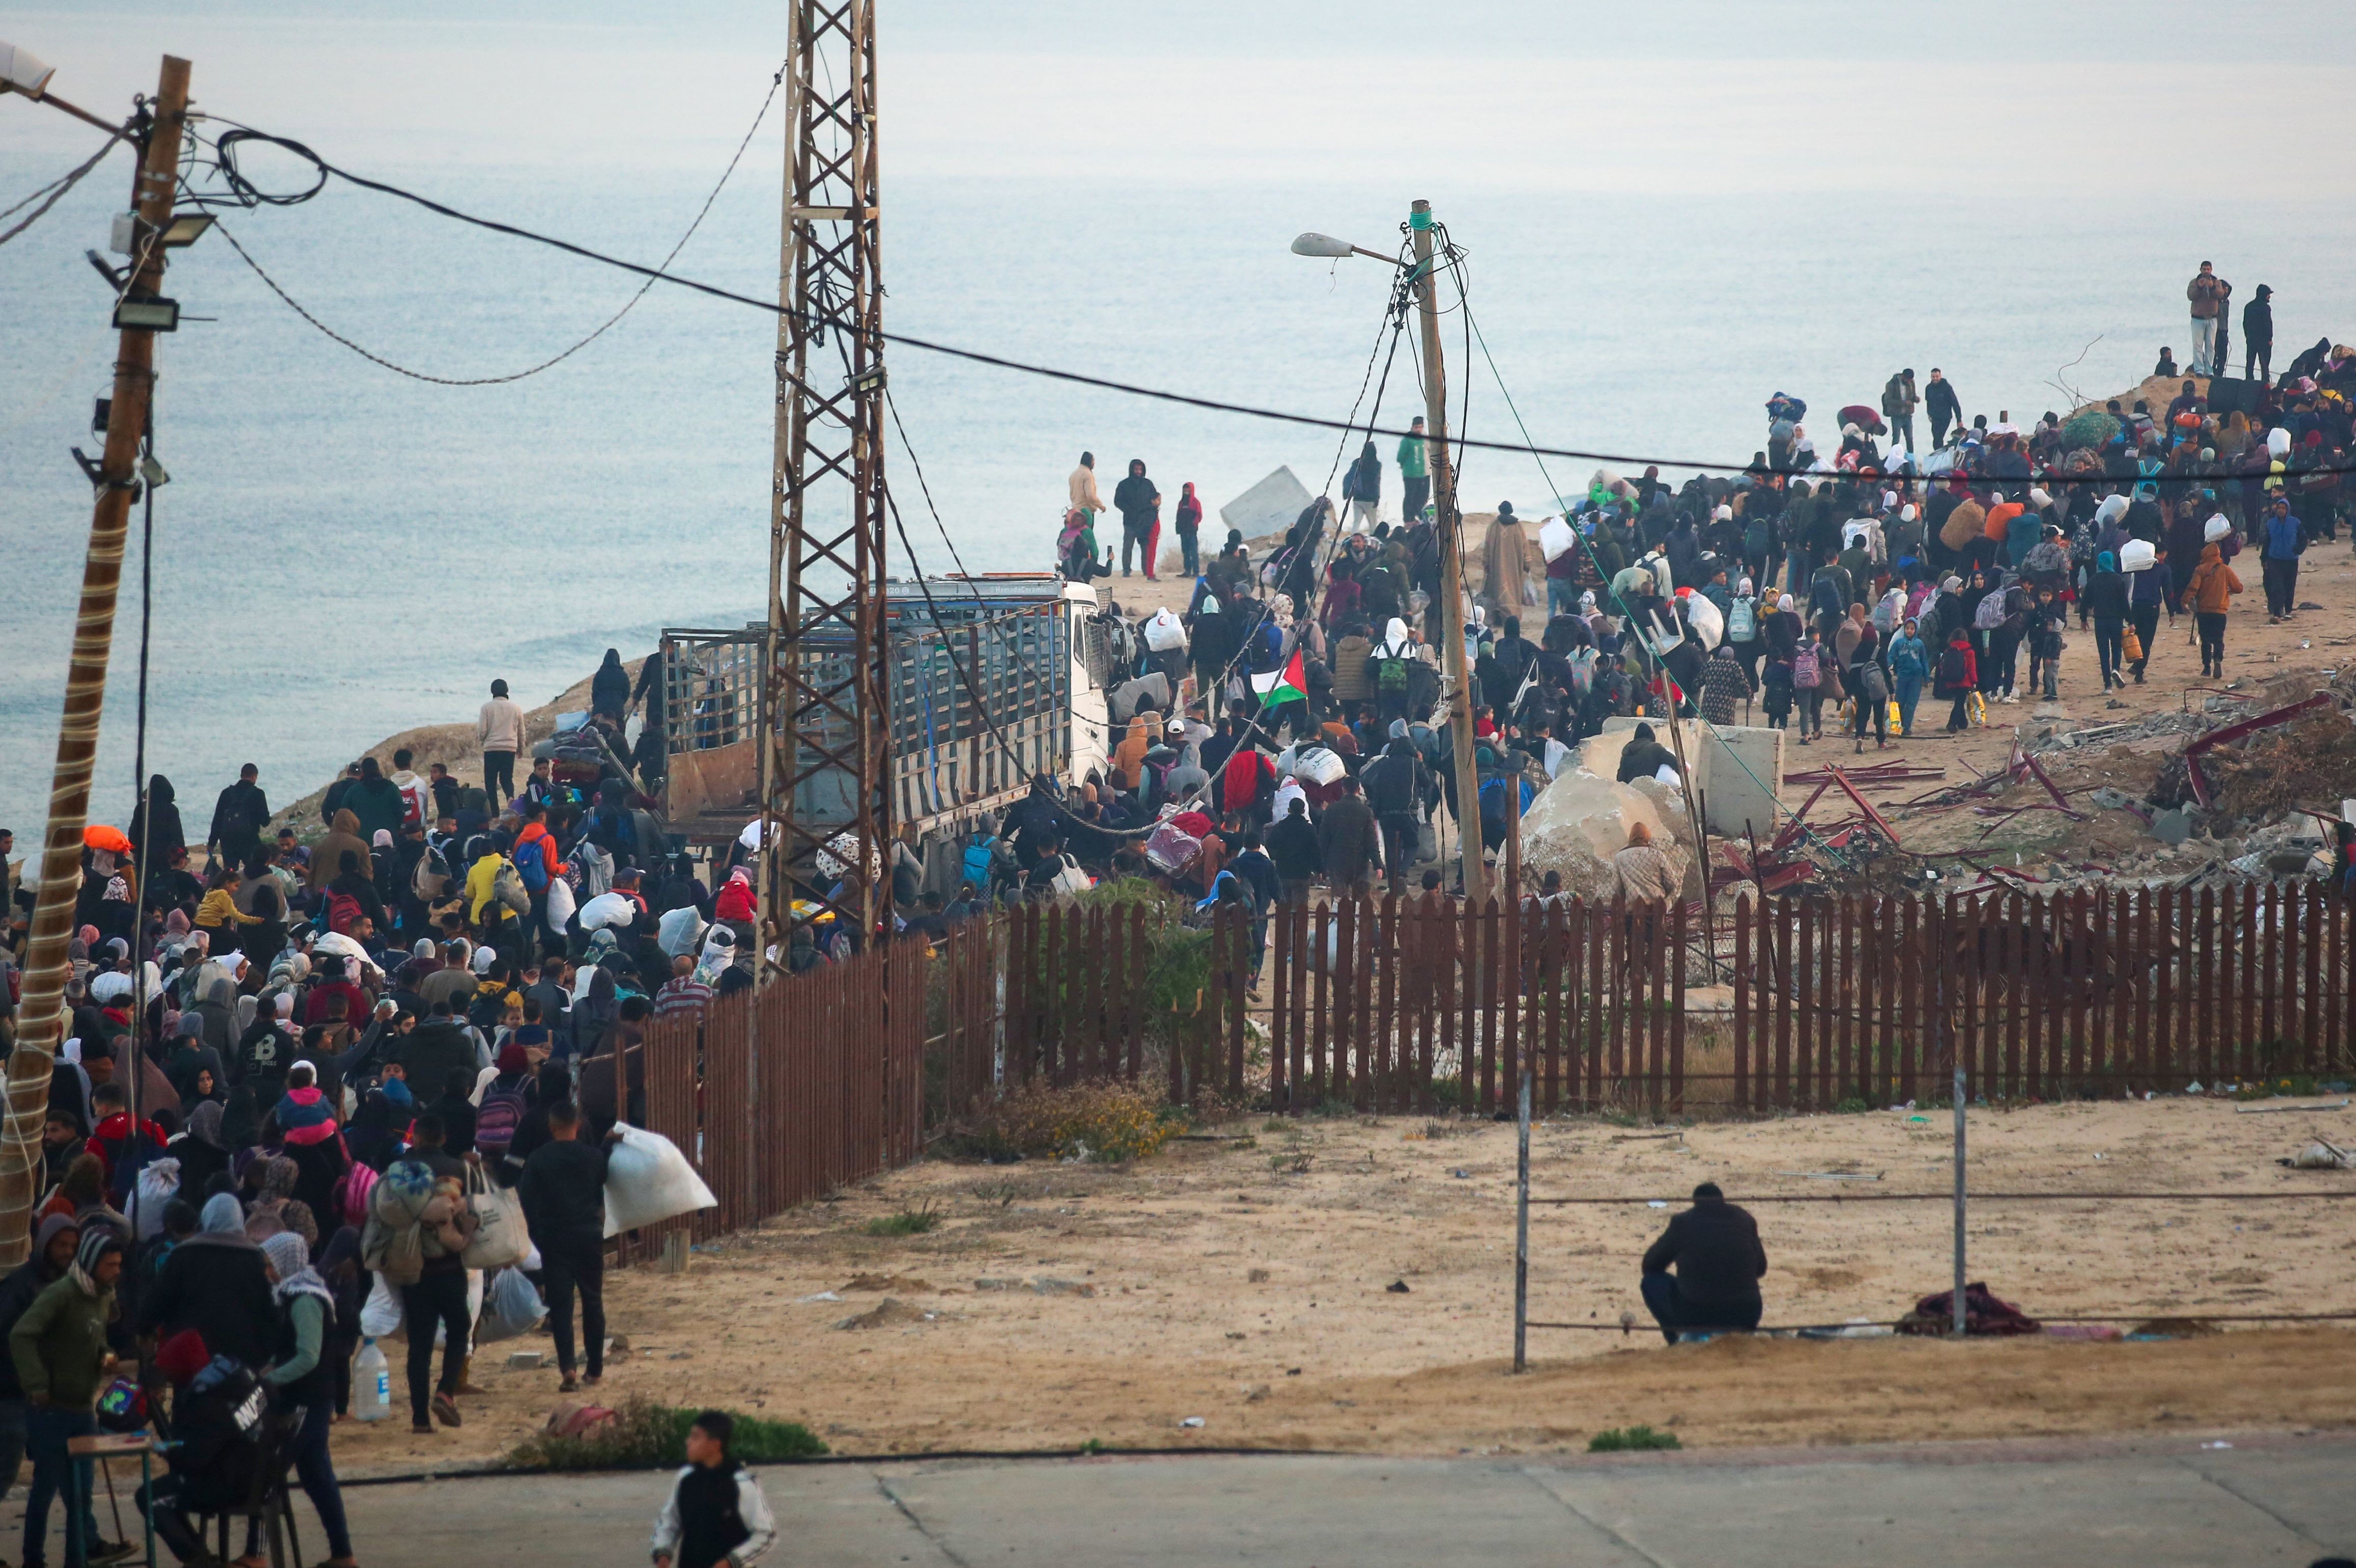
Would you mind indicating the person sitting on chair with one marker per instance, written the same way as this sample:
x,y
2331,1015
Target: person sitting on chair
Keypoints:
x,y
1714,1247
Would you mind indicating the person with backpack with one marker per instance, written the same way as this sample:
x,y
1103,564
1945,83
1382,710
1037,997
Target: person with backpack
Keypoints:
x,y
300,1373
1743,630
238,817
1959,677
1811,662
1830,591
1776,692
1387,669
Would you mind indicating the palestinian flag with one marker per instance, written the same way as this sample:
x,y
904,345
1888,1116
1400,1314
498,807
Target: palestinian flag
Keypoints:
x,y
1290,684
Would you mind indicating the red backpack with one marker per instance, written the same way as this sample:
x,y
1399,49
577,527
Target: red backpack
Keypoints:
x,y
344,911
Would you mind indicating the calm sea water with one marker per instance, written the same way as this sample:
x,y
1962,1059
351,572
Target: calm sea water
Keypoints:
x,y
343,553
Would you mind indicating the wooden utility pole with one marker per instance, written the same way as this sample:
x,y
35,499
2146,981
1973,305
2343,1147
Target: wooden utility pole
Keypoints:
x,y
41,1018
1452,566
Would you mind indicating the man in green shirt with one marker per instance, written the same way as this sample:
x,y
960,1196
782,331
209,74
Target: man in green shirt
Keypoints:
x,y
1415,473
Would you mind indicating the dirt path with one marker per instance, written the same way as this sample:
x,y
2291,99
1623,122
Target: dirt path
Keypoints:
x,y
1247,1281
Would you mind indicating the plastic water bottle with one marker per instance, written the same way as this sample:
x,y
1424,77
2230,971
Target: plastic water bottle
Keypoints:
x,y
372,1381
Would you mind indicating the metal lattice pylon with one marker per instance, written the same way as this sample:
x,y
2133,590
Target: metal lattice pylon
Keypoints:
x,y
824,787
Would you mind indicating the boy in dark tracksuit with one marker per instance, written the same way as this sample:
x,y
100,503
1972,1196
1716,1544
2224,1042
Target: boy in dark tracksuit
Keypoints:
x,y
715,1516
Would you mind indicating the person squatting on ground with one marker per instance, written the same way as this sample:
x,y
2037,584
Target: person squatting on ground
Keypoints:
x,y
1714,1249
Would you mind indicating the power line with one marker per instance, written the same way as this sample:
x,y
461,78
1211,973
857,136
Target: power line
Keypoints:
x,y
227,164
56,190
972,356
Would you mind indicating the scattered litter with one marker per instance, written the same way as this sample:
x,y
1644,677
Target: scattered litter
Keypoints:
x,y
2321,1156
2278,1109
1656,1203
1460,1174
1396,1287
525,1360
1192,1420
2221,1443
830,1296
1833,1175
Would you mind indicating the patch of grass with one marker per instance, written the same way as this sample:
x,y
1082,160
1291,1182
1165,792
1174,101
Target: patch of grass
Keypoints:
x,y
1852,1106
1333,1105
1093,1445
647,1435
1104,1120
1631,1439
913,1222
1274,1124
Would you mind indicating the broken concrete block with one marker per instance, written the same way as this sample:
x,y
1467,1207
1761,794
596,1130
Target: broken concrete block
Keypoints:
x,y
2110,799
2172,827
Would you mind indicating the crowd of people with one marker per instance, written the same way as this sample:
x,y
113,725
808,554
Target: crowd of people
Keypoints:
x,y
286,1065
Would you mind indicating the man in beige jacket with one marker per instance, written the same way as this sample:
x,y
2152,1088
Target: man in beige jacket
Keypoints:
x,y
499,730
1083,484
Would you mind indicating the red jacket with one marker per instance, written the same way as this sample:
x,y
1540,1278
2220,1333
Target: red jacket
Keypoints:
x,y
534,830
113,1133
1247,773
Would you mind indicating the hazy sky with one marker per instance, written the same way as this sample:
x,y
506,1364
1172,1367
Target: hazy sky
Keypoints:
x,y
2047,101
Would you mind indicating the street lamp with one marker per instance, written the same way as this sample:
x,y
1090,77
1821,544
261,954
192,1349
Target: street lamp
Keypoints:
x,y
1326,247
21,70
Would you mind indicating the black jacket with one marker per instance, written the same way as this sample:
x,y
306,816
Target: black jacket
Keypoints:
x,y
564,1193
240,814
1292,846
215,1285
1939,401
1714,1247
1396,781
438,1048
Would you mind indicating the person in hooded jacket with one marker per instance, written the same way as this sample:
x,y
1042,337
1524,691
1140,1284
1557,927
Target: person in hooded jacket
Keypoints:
x,y
609,688
154,830
201,1151
215,1283
53,1247
327,855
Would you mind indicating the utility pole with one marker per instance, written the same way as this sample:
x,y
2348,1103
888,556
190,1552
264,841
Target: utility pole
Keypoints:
x,y
41,1018
826,762
1451,567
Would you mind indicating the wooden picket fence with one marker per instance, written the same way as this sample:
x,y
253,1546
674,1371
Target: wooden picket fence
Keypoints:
x,y
1427,1005
778,1099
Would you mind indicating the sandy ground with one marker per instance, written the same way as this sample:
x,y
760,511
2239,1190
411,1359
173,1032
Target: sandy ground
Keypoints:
x,y
1244,1278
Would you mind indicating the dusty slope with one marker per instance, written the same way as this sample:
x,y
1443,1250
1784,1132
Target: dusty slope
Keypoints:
x,y
1319,1353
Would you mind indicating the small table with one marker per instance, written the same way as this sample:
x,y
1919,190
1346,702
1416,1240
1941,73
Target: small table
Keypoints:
x,y
109,1446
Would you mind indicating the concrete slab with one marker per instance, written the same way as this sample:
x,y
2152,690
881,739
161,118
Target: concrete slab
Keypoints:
x,y
2142,1504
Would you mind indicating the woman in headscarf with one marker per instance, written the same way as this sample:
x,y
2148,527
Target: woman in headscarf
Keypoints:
x,y
241,1126
307,1124
216,1284
1128,757
155,831
82,1192
594,1010
201,1152
300,1372
381,1126
339,1266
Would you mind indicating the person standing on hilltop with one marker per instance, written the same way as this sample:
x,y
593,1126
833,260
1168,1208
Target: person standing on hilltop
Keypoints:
x,y
2258,337
498,729
609,689
1415,473
1141,516
238,817
1189,521
1898,404
2208,293
1939,401
1085,497
1361,486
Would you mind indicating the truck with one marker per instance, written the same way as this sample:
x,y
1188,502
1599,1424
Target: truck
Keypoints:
x,y
1033,646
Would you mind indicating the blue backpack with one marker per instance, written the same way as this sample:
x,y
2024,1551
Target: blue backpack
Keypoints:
x,y
531,864
976,864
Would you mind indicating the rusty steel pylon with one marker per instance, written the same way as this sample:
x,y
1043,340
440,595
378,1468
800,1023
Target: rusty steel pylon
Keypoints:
x,y
825,784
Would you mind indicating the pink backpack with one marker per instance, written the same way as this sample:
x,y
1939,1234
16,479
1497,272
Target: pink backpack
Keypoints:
x,y
353,1193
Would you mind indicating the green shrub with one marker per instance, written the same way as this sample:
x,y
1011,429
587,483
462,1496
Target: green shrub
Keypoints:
x,y
2089,429
906,1222
1103,1120
647,1435
1630,1439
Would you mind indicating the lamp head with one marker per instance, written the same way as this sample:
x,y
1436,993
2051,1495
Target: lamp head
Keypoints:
x,y
1321,245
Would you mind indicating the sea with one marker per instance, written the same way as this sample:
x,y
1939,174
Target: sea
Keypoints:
x,y
343,552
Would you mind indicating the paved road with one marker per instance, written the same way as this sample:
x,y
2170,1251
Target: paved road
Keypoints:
x,y
2134,1504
